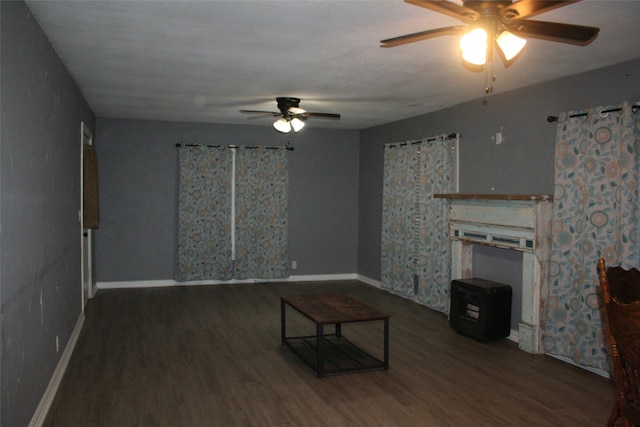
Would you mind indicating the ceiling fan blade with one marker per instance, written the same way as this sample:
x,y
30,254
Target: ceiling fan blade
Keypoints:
x,y
265,113
322,115
555,32
260,116
462,13
528,8
423,35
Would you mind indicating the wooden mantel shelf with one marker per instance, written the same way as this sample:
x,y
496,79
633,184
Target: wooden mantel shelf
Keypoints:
x,y
459,196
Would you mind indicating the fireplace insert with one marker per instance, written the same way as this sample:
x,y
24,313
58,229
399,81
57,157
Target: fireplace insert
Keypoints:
x,y
480,308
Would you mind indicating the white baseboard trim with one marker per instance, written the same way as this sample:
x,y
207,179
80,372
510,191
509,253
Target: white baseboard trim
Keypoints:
x,y
170,282
321,278
50,393
369,281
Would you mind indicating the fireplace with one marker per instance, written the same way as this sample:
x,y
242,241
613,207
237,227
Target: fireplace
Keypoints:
x,y
516,222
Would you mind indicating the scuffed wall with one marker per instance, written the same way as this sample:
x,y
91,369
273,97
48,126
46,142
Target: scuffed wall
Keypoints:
x,y
40,194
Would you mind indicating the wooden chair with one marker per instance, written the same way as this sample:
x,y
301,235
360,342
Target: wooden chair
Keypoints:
x,y
621,295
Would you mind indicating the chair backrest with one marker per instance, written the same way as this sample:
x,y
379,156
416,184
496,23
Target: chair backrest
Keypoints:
x,y
621,295
624,284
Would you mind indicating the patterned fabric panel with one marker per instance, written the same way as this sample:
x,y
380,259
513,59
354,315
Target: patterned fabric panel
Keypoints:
x,y
416,260
398,216
438,175
204,212
595,215
262,224
258,248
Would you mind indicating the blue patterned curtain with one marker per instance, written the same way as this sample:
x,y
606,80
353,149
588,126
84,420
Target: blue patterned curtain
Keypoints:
x,y
204,212
438,175
595,215
257,248
262,188
416,260
399,220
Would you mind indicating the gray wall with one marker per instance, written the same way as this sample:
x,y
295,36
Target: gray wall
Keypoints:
x,y
523,164
39,201
138,162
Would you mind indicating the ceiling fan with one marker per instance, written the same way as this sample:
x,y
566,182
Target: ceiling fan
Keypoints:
x,y
292,117
503,21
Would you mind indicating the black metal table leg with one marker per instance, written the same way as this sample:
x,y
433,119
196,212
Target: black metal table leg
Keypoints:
x,y
386,344
283,323
320,349
338,330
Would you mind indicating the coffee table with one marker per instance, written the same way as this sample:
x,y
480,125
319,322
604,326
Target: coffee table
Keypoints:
x,y
332,353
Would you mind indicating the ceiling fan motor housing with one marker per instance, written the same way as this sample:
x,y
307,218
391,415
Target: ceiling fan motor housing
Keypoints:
x,y
285,103
488,8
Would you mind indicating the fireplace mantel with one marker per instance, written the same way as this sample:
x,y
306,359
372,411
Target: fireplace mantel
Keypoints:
x,y
517,222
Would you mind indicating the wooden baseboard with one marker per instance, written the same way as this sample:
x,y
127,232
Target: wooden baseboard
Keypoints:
x,y
50,393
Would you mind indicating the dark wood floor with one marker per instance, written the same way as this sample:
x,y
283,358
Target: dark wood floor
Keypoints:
x,y
211,356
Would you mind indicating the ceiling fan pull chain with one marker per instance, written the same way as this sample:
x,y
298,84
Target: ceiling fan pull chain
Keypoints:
x,y
489,86
490,77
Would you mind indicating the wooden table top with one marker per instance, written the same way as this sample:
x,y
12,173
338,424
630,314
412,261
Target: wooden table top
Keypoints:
x,y
333,308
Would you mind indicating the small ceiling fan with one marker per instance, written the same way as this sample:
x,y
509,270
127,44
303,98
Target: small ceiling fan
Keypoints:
x,y
503,21
292,117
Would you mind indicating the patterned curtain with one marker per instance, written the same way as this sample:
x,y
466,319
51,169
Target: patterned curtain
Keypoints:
x,y
416,260
262,187
438,175
399,219
595,215
204,212
212,199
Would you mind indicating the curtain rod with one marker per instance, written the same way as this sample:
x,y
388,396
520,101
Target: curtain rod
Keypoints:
x,y
251,147
634,108
418,141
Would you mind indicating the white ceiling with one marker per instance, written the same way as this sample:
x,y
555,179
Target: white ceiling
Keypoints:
x,y
202,61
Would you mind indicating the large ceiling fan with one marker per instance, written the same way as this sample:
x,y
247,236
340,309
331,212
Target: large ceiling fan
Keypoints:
x,y
292,117
502,21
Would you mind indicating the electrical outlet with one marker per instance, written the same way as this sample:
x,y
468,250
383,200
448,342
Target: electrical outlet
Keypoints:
x,y
294,265
500,139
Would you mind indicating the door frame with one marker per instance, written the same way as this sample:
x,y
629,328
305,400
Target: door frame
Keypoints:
x,y
88,285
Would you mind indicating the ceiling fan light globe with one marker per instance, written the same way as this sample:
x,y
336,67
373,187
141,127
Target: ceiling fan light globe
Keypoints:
x,y
474,46
297,124
510,44
475,57
282,125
